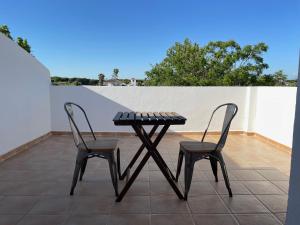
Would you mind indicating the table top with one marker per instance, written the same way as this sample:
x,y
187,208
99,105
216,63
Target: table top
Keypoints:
x,y
148,118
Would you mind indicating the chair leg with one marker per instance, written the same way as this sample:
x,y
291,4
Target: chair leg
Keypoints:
x,y
179,164
113,173
214,167
225,174
82,170
119,163
78,165
188,173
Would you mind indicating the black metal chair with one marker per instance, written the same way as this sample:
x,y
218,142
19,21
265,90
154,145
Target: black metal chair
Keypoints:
x,y
196,150
92,148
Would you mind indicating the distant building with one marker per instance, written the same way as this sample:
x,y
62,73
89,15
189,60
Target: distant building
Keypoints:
x,y
114,82
132,82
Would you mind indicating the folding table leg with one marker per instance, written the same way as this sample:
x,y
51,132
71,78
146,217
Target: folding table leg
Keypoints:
x,y
151,147
160,157
142,163
136,156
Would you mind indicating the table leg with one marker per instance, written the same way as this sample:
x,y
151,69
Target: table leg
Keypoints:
x,y
143,162
161,159
136,156
151,147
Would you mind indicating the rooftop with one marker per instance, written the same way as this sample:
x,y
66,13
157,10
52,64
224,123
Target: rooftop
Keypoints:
x,y
35,184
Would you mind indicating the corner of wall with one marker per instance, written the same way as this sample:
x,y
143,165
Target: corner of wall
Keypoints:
x,y
250,109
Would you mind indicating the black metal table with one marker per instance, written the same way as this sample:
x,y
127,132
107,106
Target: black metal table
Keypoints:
x,y
137,121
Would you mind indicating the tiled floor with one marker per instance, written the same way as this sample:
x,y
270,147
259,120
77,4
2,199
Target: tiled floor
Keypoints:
x,y
34,187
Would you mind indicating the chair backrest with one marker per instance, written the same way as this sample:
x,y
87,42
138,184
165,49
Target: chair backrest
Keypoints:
x,y
77,135
230,112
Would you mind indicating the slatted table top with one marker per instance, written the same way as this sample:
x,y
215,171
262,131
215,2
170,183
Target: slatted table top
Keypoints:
x,y
148,118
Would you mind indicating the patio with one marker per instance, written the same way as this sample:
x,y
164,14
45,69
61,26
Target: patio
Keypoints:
x,y
35,184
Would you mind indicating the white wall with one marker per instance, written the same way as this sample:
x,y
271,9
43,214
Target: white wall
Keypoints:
x,y
275,110
24,96
268,111
102,103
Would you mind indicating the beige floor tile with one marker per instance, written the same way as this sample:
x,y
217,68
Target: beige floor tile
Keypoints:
x,y
236,186
171,219
262,187
86,205
52,206
138,188
132,205
283,185
258,219
10,219
275,203
207,204
17,204
161,188
88,220
43,219
247,175
281,217
244,204
214,219
133,219
201,188
273,175
168,205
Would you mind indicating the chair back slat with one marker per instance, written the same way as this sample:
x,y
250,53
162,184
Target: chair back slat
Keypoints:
x,y
231,110
77,135
74,128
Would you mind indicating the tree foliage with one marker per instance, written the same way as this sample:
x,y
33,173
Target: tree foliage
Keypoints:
x,y
217,63
23,43
5,30
115,74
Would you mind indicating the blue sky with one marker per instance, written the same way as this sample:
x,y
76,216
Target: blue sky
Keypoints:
x,y
84,38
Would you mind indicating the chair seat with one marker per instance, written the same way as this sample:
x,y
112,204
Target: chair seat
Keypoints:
x,y
197,146
101,145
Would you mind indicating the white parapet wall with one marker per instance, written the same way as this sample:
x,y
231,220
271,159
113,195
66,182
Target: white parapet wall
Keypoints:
x,y
102,103
24,97
275,113
268,111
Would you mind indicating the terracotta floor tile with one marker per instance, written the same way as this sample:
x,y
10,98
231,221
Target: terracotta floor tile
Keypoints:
x,y
236,186
132,205
244,204
10,219
168,205
88,220
17,204
133,219
171,219
214,219
262,187
273,175
275,203
261,219
281,217
43,219
207,204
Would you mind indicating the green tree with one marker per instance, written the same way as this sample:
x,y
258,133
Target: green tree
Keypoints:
x,y
5,30
280,78
217,63
24,44
115,74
